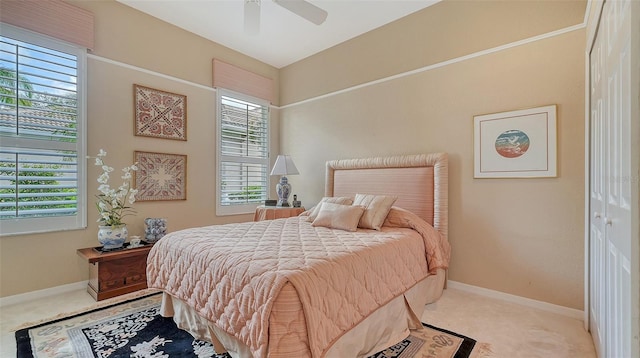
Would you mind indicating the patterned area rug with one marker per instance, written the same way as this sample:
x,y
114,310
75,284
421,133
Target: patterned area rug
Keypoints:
x,y
135,329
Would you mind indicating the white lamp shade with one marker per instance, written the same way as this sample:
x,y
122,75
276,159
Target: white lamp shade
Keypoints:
x,y
284,166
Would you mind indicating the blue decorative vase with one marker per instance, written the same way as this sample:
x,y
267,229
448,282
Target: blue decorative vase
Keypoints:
x,y
112,237
155,229
283,189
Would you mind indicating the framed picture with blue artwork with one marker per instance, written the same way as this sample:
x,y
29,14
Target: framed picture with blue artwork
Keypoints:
x,y
516,144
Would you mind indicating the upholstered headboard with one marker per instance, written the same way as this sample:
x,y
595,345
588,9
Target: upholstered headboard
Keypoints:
x,y
419,181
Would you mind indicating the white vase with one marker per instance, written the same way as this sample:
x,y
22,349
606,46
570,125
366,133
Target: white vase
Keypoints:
x,y
112,237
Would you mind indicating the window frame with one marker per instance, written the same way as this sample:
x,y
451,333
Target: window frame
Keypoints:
x,y
32,225
248,208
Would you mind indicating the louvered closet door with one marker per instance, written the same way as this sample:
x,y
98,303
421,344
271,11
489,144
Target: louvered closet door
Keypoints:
x,y
613,188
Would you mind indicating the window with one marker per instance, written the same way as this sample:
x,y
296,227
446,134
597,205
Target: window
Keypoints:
x,y
42,117
243,153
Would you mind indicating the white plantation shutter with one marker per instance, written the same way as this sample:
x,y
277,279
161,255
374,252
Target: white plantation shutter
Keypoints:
x,y
41,132
243,153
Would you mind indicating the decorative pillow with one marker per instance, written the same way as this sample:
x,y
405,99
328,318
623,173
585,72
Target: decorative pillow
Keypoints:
x,y
336,216
376,209
343,200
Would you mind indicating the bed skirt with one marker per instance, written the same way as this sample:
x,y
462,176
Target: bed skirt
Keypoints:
x,y
383,328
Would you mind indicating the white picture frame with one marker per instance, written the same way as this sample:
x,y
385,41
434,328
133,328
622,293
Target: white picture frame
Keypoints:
x,y
516,144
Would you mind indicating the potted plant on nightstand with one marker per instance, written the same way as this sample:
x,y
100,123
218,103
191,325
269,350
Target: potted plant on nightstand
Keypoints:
x,y
114,204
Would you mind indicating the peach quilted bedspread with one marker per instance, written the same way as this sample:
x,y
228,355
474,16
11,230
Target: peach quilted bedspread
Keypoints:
x,y
232,274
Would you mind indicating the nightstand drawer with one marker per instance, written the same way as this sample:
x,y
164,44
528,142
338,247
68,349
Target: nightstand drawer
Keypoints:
x,y
110,284
135,278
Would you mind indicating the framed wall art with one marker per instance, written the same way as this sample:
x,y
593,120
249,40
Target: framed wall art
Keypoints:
x,y
160,114
516,144
160,176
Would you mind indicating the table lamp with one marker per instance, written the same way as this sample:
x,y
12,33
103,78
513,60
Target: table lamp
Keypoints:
x,y
284,166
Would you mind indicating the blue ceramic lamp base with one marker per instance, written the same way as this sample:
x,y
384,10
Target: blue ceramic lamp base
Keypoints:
x,y
283,188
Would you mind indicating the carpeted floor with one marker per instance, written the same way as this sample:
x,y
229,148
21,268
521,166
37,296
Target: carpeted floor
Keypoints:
x,y
134,329
513,330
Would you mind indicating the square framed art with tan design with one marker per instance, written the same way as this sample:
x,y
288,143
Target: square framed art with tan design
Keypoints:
x,y
160,176
160,114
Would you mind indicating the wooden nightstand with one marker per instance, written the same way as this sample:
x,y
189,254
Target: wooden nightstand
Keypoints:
x,y
116,273
276,212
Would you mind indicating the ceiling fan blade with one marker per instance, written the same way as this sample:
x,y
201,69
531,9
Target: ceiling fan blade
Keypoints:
x,y
304,9
252,17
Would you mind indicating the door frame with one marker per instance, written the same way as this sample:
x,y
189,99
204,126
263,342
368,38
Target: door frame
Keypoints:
x,y
593,13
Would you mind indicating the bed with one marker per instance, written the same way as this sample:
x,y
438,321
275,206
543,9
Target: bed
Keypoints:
x,y
289,288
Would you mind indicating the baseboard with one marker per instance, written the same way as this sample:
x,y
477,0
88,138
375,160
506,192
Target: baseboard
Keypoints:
x,y
545,306
34,295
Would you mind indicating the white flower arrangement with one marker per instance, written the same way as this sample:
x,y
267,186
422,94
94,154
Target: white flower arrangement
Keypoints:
x,y
114,204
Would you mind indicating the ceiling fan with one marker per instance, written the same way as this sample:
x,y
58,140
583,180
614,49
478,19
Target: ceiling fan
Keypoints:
x,y
301,8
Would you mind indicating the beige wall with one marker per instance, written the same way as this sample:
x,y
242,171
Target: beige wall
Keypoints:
x,y
124,35
534,251
447,30
519,236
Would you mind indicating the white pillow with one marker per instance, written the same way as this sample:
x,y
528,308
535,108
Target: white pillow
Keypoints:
x,y
376,209
343,200
336,216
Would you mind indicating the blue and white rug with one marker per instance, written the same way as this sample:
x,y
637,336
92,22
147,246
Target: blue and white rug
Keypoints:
x,y
134,329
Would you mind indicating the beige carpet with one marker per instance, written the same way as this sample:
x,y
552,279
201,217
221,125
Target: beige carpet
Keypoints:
x,y
512,330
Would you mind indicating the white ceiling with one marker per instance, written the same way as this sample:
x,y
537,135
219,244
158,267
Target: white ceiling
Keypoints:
x,y
284,37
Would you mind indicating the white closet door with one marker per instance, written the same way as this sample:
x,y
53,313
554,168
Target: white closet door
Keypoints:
x,y
613,190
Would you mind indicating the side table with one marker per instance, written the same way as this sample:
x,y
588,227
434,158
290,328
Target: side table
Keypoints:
x,y
117,272
276,212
